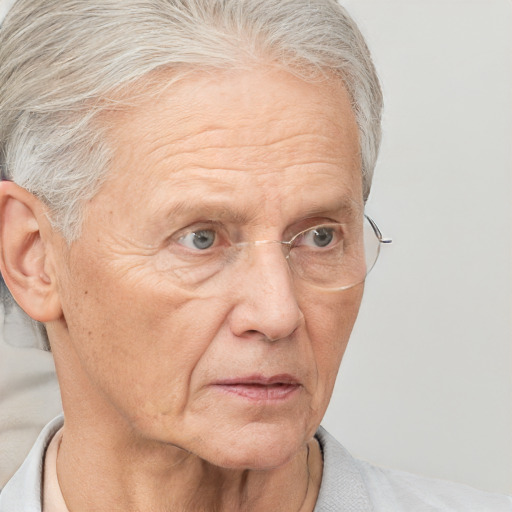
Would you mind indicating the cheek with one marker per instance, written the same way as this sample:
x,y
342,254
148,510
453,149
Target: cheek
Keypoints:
x,y
330,319
138,339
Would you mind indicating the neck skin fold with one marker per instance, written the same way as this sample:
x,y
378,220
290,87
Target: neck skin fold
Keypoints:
x,y
104,465
114,475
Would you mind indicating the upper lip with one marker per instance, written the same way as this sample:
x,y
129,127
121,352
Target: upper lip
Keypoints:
x,y
259,380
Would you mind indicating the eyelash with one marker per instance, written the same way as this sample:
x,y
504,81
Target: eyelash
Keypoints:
x,y
203,226
221,232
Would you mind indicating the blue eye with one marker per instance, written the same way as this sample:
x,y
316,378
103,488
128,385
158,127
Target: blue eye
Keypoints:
x,y
319,237
202,239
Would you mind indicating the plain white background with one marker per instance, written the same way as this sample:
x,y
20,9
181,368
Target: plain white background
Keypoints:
x,y
426,384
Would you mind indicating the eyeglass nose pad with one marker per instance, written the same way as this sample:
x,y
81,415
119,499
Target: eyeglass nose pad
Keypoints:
x,y
286,248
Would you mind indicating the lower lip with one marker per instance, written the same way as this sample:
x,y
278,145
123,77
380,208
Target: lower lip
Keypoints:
x,y
259,392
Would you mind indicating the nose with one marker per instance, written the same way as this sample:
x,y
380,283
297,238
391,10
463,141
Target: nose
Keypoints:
x,y
266,302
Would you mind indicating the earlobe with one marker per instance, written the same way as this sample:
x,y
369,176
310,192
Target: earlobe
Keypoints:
x,y
25,261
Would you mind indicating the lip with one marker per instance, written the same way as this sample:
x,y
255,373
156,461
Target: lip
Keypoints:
x,y
258,388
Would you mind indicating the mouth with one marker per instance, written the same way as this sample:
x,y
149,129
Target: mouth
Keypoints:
x,y
258,388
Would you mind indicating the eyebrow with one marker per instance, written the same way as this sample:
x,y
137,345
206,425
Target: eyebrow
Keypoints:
x,y
346,205
239,215
211,208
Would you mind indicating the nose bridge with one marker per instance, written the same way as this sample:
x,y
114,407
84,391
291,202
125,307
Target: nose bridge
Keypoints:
x,y
285,246
267,292
269,259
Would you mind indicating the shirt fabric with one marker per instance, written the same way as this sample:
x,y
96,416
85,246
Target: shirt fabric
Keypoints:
x,y
348,485
29,392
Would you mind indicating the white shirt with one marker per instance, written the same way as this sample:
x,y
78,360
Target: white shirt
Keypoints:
x,y
29,392
348,485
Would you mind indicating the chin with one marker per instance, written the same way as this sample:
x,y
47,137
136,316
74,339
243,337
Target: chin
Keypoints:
x,y
257,447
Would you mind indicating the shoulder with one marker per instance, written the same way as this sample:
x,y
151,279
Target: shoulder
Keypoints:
x,y
398,491
29,393
408,492
23,491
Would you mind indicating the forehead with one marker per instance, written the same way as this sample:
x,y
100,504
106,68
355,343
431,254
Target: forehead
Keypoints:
x,y
213,138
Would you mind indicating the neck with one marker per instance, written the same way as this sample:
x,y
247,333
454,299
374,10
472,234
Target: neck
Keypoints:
x,y
100,473
107,465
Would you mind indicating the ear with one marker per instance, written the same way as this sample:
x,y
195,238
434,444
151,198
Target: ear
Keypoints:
x,y
25,261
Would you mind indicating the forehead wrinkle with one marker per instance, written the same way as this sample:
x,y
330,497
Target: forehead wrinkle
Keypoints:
x,y
214,210
195,130
217,199
318,167
189,145
260,158
209,139
345,205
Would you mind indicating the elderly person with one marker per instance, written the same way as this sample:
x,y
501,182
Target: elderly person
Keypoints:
x,y
183,209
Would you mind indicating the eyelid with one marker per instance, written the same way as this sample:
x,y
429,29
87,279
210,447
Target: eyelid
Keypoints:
x,y
307,224
174,238
336,226
197,226
224,236
313,224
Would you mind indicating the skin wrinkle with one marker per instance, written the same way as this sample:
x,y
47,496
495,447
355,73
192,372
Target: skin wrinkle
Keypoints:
x,y
213,150
207,130
173,149
337,211
143,353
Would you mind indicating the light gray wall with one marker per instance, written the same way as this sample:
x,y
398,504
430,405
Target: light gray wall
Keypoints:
x,y
426,384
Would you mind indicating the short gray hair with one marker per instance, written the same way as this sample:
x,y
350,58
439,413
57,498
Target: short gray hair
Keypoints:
x,y
63,62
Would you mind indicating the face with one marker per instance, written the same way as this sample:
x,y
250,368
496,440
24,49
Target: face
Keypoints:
x,y
237,368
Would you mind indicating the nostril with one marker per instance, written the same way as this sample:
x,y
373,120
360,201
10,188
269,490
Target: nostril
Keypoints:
x,y
258,335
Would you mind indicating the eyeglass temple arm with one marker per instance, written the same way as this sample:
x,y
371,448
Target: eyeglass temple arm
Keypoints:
x,y
375,228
